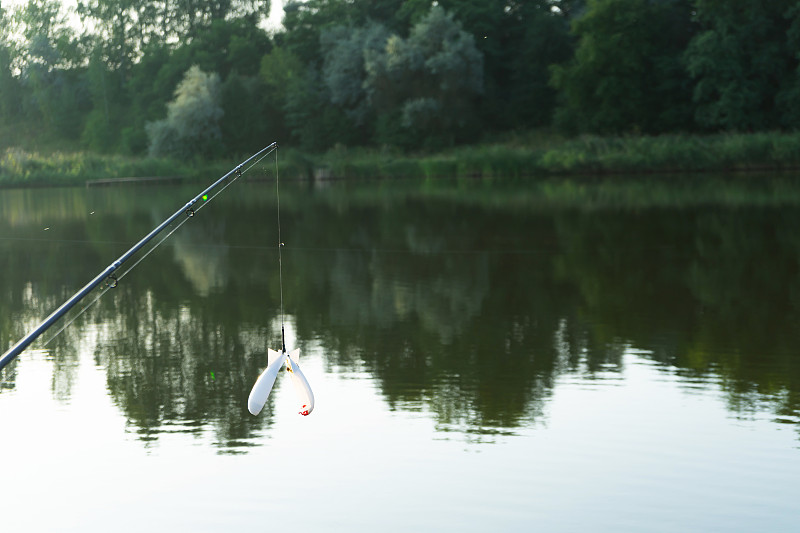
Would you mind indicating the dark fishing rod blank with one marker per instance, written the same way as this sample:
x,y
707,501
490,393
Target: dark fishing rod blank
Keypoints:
x,y
107,276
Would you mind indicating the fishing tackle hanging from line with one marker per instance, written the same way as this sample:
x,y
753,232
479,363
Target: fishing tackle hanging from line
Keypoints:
x,y
275,360
109,276
263,386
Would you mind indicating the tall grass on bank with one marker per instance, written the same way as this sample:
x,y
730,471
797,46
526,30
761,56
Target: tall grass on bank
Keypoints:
x,y
477,161
537,155
582,155
674,153
22,168
18,167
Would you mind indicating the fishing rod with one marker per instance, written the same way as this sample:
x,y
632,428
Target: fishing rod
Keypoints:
x,y
108,277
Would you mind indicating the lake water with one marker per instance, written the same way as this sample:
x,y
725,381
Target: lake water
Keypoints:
x,y
485,356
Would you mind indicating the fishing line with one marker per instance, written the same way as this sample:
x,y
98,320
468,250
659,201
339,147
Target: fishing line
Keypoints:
x,y
276,360
113,279
280,245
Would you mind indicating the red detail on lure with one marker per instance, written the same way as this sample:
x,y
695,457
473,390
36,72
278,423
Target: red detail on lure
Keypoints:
x,y
304,413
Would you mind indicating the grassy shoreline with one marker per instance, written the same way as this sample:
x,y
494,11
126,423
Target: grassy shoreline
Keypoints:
x,y
588,155
534,156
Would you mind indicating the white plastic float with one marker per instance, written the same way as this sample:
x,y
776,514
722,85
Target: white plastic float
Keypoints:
x,y
263,386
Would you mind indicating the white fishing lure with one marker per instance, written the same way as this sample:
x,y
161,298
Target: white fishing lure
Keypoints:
x,y
263,386
275,360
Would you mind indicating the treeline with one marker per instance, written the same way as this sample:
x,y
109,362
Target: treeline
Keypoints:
x,y
191,77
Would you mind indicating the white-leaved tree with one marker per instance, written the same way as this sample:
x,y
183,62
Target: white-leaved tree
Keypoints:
x,y
344,49
192,126
429,81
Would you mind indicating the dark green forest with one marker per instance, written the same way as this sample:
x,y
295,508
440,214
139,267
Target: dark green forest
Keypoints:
x,y
189,77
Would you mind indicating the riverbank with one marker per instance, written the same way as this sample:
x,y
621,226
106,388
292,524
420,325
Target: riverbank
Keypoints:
x,y
587,155
532,155
21,168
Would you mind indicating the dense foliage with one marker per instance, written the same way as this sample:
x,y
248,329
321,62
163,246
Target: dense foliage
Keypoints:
x,y
400,73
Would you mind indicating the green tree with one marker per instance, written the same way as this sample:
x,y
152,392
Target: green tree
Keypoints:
x,y
128,27
229,47
47,38
344,50
519,41
305,21
151,85
788,98
246,125
570,9
122,28
429,81
279,69
626,73
312,121
191,16
101,131
46,57
739,62
519,93
299,102
11,100
283,76
192,124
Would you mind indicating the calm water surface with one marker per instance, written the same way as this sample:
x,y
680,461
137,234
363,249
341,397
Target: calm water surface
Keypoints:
x,y
484,356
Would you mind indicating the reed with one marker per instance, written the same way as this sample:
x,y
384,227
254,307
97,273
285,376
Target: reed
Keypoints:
x,y
540,156
22,168
674,153
536,154
19,167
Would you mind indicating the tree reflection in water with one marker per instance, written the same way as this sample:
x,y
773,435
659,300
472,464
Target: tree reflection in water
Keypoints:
x,y
467,308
